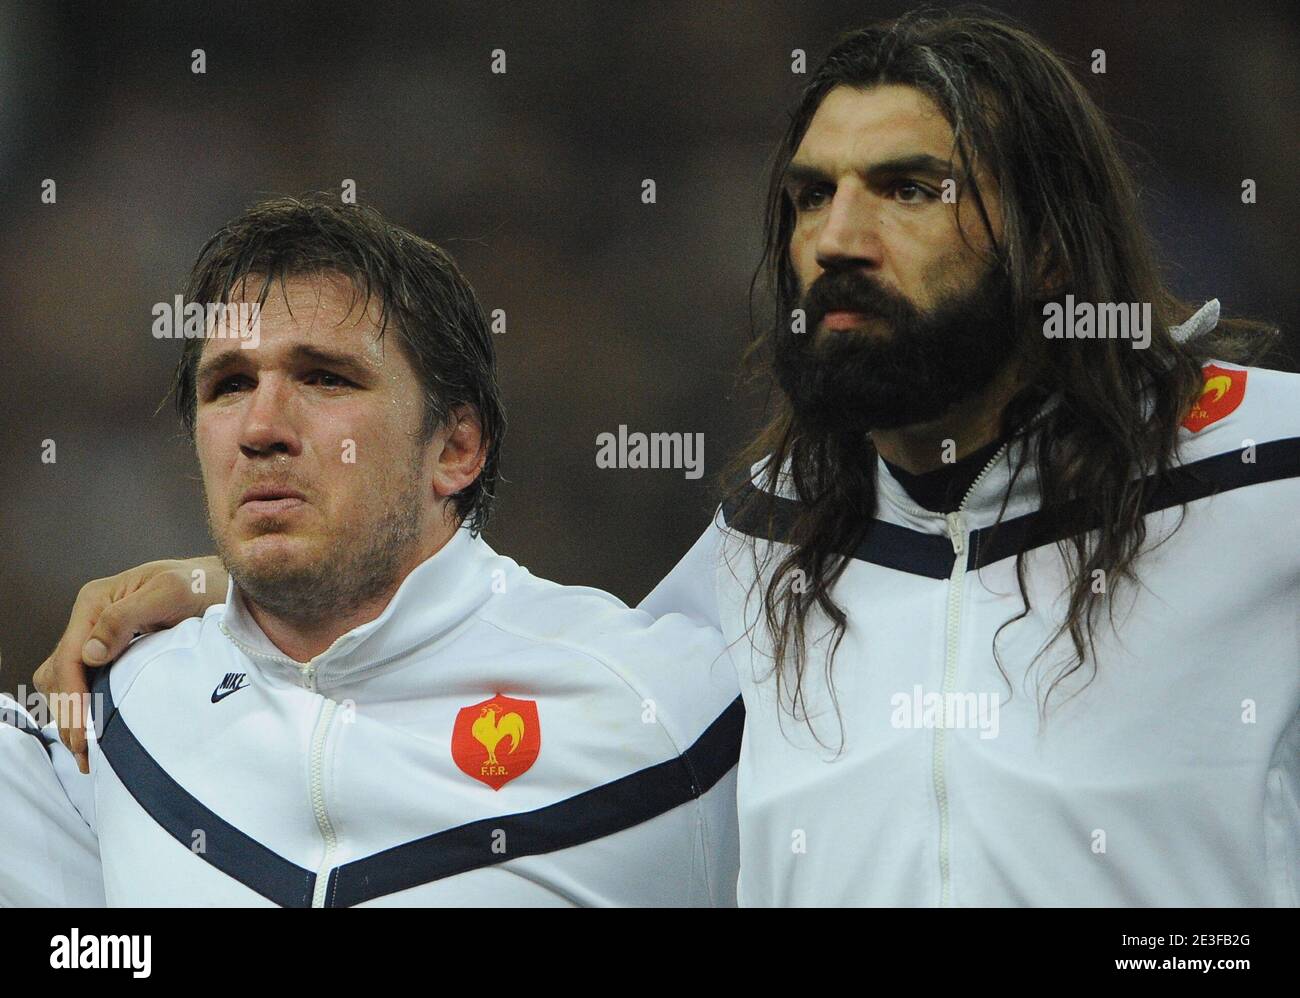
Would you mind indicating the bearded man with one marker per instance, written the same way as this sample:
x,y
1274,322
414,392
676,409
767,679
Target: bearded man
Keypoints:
x,y
1014,615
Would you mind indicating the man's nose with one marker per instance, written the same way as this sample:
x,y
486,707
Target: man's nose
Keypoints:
x,y
270,425
850,235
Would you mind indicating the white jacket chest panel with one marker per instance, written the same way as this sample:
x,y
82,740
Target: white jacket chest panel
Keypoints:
x,y
1173,758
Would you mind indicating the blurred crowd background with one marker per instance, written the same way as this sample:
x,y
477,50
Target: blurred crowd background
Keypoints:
x,y
618,312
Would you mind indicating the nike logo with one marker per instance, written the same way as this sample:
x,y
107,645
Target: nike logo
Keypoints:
x,y
233,683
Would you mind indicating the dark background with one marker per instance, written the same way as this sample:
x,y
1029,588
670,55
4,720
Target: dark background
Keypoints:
x,y
618,312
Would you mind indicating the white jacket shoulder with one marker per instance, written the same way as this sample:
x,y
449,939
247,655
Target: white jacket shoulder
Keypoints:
x,y
1241,404
181,640
676,666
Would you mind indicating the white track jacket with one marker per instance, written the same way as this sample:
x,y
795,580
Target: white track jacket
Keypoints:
x,y
492,739
1171,779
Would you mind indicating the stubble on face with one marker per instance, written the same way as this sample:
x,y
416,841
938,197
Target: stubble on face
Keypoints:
x,y
362,565
356,529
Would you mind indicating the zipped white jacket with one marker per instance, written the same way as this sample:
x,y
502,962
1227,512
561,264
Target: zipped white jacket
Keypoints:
x,y
1171,779
492,739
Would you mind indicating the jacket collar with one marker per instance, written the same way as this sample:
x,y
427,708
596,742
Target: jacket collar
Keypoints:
x,y
984,501
438,595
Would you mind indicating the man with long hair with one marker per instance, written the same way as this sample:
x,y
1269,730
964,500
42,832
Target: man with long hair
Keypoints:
x,y
1014,613
1010,578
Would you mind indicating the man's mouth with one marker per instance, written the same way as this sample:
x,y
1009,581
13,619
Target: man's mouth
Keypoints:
x,y
267,500
842,318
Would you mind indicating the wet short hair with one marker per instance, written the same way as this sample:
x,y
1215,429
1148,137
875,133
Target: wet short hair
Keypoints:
x,y
434,311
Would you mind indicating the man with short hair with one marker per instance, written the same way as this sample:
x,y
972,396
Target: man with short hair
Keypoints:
x,y
385,711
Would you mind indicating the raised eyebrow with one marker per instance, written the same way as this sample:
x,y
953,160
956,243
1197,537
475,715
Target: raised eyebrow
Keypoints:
x,y
797,173
214,367
922,164
316,355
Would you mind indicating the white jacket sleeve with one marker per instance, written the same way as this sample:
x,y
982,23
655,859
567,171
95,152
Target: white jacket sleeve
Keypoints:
x,y
691,587
49,856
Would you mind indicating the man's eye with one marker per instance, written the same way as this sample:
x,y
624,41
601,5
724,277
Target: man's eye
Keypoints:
x,y
909,192
227,385
328,379
811,196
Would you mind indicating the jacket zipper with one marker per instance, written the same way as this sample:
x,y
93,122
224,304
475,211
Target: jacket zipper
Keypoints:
x,y
317,780
316,777
957,533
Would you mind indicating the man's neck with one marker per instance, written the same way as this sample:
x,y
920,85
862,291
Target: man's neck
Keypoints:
x,y
963,430
303,640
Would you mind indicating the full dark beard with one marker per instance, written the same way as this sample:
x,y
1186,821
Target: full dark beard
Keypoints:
x,y
361,567
923,364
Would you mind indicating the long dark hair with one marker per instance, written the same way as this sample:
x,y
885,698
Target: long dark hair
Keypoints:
x,y
1069,206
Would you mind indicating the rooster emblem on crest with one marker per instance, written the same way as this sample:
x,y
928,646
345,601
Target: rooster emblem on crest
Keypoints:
x,y
488,731
1219,385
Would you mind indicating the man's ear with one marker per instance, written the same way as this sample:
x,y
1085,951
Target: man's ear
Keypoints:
x,y
460,452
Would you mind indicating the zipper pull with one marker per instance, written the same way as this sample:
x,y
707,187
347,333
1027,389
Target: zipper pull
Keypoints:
x,y
956,532
309,677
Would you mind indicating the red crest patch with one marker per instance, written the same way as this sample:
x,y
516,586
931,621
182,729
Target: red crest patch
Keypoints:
x,y
1221,393
496,740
